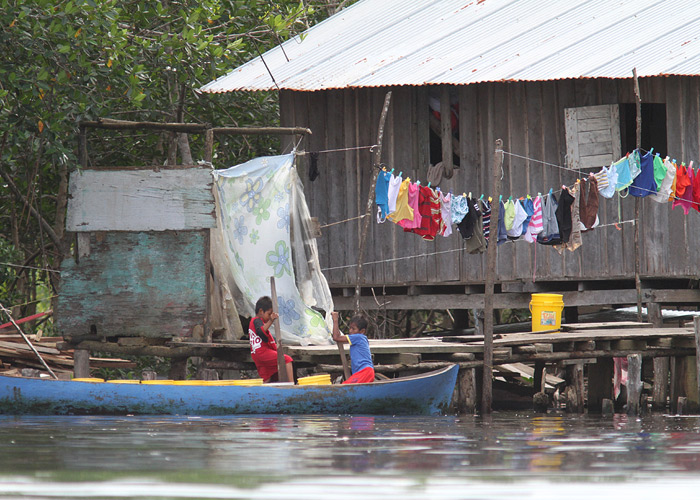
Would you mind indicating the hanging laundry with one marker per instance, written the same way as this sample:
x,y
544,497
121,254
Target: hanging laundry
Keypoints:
x,y
529,212
535,226
624,177
403,210
696,191
393,192
460,208
588,205
635,164
575,240
446,212
413,200
645,183
564,214
486,219
430,214
659,171
501,236
607,180
672,195
313,165
468,223
519,217
509,214
477,243
684,177
381,195
664,192
550,227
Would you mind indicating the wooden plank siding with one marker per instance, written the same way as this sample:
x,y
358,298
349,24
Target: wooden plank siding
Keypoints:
x,y
149,284
530,118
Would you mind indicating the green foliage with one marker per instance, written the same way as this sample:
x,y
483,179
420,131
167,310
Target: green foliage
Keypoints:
x,y
66,61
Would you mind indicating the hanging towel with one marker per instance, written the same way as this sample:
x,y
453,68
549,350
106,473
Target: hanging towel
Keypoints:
x,y
664,192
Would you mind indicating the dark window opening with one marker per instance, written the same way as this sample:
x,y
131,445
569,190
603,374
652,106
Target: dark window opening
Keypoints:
x,y
653,127
435,122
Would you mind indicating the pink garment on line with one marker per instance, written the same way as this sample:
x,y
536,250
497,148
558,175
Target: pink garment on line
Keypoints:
x,y
413,193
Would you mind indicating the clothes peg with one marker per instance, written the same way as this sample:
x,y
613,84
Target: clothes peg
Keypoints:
x,y
464,195
481,197
408,179
437,189
418,183
651,151
682,164
400,173
383,169
490,199
539,194
392,171
500,198
429,184
510,198
691,164
658,154
551,190
674,161
470,194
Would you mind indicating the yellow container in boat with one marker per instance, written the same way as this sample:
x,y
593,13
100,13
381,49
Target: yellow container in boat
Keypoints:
x,y
546,311
88,379
158,382
123,381
245,382
322,379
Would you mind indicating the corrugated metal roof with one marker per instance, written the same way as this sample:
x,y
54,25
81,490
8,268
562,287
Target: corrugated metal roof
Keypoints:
x,y
377,43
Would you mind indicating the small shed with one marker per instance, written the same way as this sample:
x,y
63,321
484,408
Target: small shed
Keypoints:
x,y
141,263
554,81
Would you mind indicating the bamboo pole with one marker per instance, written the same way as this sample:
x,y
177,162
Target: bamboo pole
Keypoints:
x,y
637,203
281,365
26,339
487,387
370,198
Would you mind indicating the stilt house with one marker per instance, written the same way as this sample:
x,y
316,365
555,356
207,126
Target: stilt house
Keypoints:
x,y
553,80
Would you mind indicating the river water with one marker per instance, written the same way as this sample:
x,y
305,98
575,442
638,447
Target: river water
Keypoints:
x,y
508,455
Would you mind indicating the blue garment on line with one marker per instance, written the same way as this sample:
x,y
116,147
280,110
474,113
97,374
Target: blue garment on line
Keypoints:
x,y
381,195
645,183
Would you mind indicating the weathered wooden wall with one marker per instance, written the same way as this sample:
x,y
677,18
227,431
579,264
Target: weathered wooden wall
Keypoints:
x,y
141,262
136,284
530,119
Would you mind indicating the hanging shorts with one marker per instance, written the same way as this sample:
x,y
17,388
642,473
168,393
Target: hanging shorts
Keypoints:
x,y
362,377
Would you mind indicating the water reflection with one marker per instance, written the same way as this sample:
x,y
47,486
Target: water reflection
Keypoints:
x,y
240,452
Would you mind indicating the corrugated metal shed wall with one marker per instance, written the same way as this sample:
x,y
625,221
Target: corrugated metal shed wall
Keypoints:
x,y
529,117
377,43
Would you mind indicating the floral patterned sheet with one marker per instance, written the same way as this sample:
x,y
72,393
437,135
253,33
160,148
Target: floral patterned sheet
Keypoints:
x,y
254,214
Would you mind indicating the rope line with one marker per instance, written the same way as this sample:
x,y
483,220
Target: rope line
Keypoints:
x,y
430,254
302,153
30,267
344,220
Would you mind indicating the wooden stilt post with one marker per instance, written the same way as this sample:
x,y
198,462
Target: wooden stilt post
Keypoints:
x,y
575,388
281,365
600,386
659,393
81,363
637,203
634,384
466,391
370,198
491,258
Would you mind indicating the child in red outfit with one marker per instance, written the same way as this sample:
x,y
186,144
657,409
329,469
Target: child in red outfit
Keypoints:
x,y
263,348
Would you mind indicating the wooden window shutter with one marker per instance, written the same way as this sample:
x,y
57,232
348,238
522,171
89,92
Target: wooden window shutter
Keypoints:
x,y
592,136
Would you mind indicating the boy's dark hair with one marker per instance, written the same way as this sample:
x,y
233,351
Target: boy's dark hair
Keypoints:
x,y
264,303
359,321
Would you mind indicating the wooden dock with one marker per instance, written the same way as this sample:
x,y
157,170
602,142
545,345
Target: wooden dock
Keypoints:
x,y
582,353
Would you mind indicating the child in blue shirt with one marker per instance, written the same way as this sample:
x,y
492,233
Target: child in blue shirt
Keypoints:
x,y
360,356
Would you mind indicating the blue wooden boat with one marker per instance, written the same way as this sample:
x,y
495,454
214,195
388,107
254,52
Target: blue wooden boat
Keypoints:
x,y
425,394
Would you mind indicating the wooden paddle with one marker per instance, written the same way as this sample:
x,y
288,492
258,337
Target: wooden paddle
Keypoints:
x,y
281,365
343,359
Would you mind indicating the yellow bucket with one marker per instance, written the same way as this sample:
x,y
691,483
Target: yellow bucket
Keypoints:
x,y
88,379
546,311
323,379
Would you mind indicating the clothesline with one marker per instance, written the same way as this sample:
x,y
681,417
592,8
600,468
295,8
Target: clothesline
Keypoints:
x,y
30,267
344,220
430,254
352,148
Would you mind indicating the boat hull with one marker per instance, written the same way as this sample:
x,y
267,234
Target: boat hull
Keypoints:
x,y
426,394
